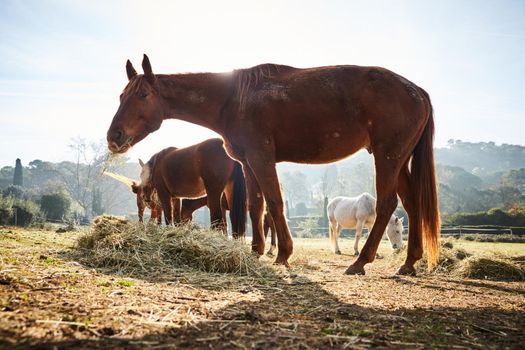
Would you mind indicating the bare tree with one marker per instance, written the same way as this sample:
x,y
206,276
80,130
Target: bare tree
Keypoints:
x,y
81,175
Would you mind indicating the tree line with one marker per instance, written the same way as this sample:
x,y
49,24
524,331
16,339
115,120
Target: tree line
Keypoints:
x,y
472,177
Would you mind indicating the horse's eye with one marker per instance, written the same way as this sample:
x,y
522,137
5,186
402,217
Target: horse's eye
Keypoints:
x,y
143,94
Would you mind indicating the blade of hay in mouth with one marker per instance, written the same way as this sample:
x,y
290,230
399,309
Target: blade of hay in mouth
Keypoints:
x,y
121,178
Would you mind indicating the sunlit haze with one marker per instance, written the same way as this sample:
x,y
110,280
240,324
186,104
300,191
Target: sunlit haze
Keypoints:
x,y
63,62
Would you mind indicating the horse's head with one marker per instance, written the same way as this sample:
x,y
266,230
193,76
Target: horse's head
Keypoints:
x,y
140,112
394,232
145,189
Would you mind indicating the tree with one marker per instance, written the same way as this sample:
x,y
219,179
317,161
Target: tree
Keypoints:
x,y
96,202
55,205
79,177
295,187
18,178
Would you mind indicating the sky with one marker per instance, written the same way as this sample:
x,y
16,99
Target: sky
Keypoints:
x,y
62,62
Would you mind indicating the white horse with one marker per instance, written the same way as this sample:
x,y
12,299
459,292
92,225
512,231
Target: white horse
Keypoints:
x,y
350,212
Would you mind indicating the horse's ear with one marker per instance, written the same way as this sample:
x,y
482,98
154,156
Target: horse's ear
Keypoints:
x,y
148,72
141,163
134,187
130,70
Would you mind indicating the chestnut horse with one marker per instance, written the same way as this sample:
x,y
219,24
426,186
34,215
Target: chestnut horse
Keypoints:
x,y
273,113
195,171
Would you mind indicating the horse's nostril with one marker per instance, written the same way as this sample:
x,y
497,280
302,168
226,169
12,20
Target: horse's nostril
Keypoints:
x,y
117,135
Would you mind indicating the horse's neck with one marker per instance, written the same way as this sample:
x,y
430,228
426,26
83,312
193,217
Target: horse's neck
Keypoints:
x,y
197,98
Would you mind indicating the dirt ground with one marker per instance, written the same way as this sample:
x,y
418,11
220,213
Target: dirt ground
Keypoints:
x,y
50,301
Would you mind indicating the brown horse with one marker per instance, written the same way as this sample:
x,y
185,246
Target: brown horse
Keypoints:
x,y
273,113
195,171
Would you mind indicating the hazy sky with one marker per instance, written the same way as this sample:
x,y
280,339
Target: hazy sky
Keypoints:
x,y
62,62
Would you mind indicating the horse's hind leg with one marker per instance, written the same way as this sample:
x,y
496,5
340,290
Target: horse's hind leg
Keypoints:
x,y
415,239
386,170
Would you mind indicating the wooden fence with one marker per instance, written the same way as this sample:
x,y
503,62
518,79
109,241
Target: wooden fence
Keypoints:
x,y
445,231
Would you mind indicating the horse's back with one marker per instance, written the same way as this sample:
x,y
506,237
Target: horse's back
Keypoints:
x,y
214,161
348,211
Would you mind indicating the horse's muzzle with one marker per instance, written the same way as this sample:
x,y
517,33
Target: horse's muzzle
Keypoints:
x,y
120,145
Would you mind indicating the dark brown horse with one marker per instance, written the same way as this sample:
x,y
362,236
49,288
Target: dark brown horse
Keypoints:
x,y
196,171
273,113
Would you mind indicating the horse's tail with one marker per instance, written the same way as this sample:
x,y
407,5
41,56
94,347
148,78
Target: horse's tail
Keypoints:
x,y
424,184
238,205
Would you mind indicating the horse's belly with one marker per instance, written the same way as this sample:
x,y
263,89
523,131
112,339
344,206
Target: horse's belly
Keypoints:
x,y
345,218
188,189
317,144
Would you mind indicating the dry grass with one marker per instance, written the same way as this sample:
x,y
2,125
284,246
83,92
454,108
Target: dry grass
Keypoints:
x,y
461,263
50,300
138,250
492,267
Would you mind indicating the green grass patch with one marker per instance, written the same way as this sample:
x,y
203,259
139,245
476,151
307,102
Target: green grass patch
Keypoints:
x,y
125,283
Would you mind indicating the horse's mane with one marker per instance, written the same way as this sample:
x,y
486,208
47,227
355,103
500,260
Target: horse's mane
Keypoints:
x,y
136,84
245,80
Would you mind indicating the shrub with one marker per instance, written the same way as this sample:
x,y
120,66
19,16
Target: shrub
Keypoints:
x,y
494,216
308,228
55,205
14,191
20,212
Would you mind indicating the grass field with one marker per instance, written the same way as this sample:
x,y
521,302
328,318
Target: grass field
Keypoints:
x,y
49,300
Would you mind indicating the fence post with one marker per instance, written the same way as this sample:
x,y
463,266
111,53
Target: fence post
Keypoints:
x,y
16,216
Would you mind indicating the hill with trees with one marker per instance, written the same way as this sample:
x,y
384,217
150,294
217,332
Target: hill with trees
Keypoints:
x,y
473,177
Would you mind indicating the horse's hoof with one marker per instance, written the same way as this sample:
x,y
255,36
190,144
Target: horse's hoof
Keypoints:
x,y
356,253
406,270
355,270
281,261
338,252
269,253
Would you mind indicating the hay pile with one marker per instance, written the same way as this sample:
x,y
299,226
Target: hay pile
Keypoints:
x,y
498,268
151,250
458,262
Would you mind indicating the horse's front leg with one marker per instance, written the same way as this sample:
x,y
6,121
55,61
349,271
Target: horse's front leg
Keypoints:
x,y
165,201
358,234
159,214
269,226
140,208
255,208
263,166
217,215
176,207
